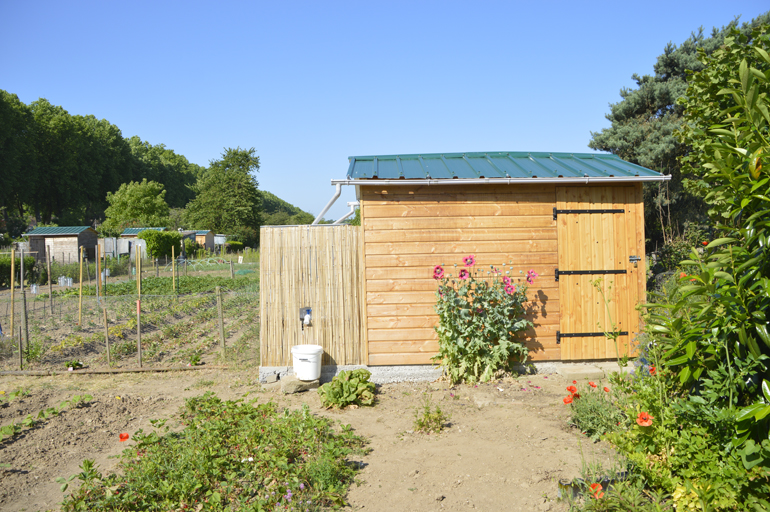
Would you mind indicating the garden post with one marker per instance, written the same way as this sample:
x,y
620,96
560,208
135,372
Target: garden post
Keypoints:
x,y
221,320
139,330
50,286
173,270
80,291
21,357
13,286
98,276
107,337
23,302
232,273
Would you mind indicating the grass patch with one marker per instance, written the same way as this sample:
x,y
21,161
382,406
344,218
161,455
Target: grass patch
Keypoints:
x,y
231,455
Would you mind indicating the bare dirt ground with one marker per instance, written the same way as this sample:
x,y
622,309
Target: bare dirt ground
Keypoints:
x,y
507,445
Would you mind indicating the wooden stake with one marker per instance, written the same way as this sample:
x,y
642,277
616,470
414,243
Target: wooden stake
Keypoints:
x,y
23,301
21,356
13,286
221,320
173,270
80,292
139,330
232,272
50,286
97,259
138,266
107,337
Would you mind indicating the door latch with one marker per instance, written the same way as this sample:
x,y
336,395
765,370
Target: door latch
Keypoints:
x,y
635,260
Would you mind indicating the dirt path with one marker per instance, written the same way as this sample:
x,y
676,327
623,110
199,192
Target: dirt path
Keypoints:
x,y
506,449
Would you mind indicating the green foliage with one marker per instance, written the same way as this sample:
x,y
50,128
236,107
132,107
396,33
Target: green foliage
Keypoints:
x,y
478,321
230,456
135,205
350,387
679,247
163,285
191,247
644,125
428,419
227,199
5,270
235,246
160,243
594,413
277,212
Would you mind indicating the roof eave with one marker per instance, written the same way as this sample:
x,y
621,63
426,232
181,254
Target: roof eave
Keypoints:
x,y
504,181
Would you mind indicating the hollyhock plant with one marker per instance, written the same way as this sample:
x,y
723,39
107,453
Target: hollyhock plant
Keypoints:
x,y
480,314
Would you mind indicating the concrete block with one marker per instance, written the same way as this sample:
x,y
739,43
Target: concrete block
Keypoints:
x,y
581,372
292,384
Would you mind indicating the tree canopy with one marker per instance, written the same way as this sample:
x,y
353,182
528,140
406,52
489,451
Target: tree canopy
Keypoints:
x,y
227,199
644,126
136,205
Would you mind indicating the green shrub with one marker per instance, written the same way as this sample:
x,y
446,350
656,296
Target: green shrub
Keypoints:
x,y
5,270
230,456
191,247
478,320
429,420
350,387
159,243
233,246
671,254
593,411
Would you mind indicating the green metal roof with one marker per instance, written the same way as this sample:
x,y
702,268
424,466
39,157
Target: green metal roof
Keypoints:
x,y
203,232
136,231
502,164
59,230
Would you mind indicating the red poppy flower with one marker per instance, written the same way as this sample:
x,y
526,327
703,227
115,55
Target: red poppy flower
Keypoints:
x,y
568,399
705,243
682,275
574,382
596,491
592,384
606,389
575,395
469,260
653,371
644,419
572,389
123,437
463,274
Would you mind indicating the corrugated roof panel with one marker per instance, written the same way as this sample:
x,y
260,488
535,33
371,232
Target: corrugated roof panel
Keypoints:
x,y
58,230
494,165
136,231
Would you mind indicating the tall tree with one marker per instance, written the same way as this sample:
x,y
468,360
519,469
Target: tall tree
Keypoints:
x,y
136,205
16,158
644,125
227,196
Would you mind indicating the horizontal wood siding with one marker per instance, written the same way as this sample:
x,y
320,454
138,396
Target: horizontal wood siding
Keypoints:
x,y
409,230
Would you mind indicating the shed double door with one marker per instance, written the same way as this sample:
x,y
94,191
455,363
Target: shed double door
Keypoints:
x,y
598,237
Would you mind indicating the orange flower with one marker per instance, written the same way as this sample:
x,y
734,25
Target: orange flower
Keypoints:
x,y
644,419
592,384
653,371
606,389
682,275
574,382
123,437
572,389
596,491
568,399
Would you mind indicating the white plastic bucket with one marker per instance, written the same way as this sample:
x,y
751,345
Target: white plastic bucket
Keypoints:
x,y
307,361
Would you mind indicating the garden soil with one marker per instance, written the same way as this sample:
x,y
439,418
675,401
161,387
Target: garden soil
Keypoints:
x,y
506,446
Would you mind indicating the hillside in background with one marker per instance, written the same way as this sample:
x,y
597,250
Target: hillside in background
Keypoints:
x,y
277,212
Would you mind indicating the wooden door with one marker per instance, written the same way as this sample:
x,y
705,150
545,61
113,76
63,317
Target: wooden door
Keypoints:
x,y
599,237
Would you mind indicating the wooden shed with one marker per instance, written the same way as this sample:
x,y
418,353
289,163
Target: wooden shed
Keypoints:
x,y
572,218
205,238
63,243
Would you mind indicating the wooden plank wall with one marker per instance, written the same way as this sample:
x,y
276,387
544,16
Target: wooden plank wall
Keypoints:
x,y
408,230
317,267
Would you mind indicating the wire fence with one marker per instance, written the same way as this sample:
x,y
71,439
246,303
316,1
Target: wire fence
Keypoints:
x,y
61,332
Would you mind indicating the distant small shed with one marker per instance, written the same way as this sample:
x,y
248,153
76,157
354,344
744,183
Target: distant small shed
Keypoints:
x,y
205,238
134,232
571,217
63,243
220,239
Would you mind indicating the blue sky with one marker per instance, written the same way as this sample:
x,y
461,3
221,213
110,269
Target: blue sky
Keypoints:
x,y
310,83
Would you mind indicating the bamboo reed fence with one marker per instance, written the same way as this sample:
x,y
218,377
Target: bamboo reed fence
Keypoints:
x,y
318,267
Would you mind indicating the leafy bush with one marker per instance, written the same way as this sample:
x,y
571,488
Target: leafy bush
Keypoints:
x,y
234,246
593,411
478,321
191,247
427,419
671,254
159,243
5,269
350,387
230,456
